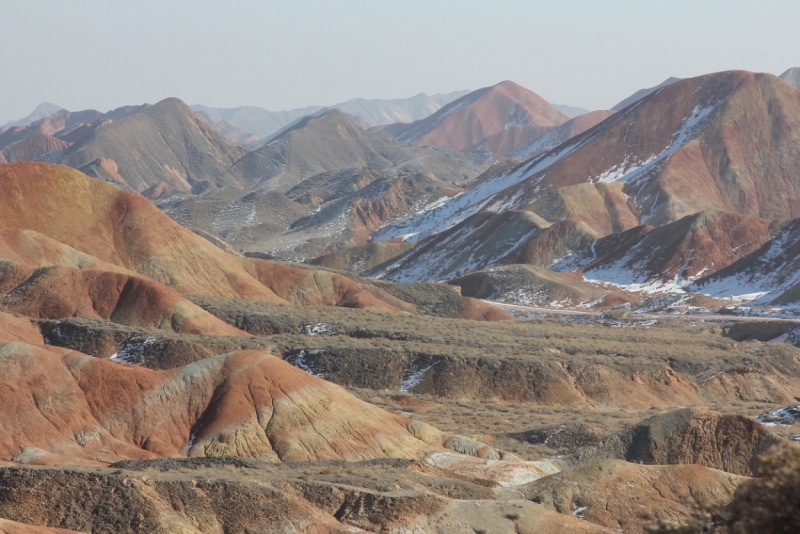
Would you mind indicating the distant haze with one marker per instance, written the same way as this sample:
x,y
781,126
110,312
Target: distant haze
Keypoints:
x,y
280,55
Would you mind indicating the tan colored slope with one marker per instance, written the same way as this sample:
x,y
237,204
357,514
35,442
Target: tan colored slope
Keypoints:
x,y
481,114
245,404
620,495
602,206
12,527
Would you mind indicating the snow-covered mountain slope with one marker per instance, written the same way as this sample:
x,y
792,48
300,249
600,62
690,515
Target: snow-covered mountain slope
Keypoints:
x,y
478,242
559,135
686,148
672,256
770,275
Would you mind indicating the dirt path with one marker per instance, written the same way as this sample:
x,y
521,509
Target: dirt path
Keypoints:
x,y
555,311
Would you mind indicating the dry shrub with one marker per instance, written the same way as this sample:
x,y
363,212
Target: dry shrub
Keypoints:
x,y
769,504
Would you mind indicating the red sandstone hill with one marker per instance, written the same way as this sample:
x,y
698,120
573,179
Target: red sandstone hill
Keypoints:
x,y
246,403
506,115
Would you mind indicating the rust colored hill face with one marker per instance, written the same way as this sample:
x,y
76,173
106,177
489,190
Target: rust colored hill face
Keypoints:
x,y
62,292
482,114
14,328
57,216
246,404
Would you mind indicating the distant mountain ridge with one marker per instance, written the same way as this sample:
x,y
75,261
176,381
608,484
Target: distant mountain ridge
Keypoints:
x,y
43,110
263,123
150,149
792,76
570,111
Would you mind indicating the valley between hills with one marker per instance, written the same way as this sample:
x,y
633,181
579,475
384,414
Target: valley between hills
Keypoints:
x,y
459,313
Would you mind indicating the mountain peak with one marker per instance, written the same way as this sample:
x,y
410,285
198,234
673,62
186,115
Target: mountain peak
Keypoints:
x,y
792,76
464,123
45,109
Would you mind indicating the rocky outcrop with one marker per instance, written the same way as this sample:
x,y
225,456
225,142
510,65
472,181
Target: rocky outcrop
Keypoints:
x,y
628,497
690,436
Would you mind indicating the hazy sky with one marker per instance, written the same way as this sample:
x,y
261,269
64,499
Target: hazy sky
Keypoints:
x,y
283,54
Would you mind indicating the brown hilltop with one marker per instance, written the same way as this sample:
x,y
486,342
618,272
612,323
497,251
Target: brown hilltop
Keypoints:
x,y
730,443
119,228
487,112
